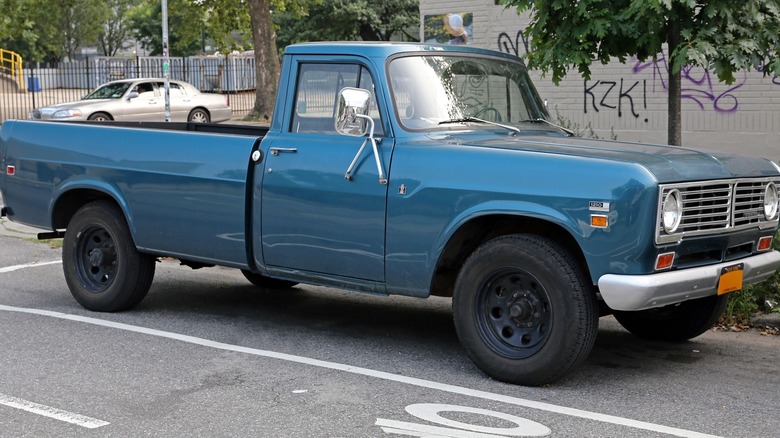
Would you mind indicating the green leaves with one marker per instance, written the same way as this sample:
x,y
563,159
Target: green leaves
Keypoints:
x,y
719,34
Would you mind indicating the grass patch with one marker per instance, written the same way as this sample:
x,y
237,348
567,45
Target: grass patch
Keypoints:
x,y
762,297
52,243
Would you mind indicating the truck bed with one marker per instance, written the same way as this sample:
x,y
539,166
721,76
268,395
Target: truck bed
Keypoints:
x,y
182,186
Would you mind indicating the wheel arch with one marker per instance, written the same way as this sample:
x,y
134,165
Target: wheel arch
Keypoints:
x,y
70,199
471,234
202,108
108,114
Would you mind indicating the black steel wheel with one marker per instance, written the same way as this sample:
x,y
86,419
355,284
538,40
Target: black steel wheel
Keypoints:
x,y
514,314
264,282
103,269
524,310
675,323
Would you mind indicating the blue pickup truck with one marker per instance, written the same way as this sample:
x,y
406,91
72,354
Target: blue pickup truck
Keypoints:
x,y
409,169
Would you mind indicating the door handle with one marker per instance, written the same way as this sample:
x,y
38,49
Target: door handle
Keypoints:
x,y
276,151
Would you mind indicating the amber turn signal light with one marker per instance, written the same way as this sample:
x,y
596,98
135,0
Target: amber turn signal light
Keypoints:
x,y
664,261
598,221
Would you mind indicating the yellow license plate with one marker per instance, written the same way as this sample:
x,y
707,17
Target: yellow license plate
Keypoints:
x,y
730,279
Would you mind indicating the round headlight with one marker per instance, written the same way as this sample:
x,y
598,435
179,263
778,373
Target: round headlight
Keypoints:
x,y
671,212
770,201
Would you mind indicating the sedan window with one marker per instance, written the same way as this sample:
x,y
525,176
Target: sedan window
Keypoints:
x,y
109,91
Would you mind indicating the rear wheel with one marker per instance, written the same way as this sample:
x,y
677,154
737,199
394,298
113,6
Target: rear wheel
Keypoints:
x,y
675,323
199,115
524,310
267,282
99,117
103,269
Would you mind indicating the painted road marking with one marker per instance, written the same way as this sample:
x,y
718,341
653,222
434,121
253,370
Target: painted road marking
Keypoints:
x,y
29,265
421,383
48,411
457,429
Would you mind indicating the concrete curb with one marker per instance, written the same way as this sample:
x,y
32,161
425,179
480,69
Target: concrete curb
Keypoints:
x,y
768,319
13,229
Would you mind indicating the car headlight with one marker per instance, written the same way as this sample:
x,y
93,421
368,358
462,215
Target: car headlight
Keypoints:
x,y
672,210
61,114
770,201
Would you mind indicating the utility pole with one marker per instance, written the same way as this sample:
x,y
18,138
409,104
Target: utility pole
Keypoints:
x,y
166,61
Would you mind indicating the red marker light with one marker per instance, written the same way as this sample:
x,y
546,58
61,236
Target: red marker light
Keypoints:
x,y
10,170
765,243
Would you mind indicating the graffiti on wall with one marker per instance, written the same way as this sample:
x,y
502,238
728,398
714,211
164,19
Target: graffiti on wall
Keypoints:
x,y
510,45
697,85
628,95
624,96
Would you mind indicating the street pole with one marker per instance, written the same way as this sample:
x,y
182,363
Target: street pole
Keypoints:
x,y
166,60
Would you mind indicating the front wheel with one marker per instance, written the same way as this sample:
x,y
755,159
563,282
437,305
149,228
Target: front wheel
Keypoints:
x,y
103,269
524,310
99,117
675,323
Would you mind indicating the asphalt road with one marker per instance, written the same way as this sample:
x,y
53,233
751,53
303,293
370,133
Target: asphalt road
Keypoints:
x,y
208,354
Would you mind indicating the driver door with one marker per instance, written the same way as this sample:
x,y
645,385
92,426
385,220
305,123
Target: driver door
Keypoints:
x,y
313,219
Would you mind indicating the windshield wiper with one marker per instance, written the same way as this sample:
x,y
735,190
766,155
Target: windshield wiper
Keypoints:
x,y
474,119
541,120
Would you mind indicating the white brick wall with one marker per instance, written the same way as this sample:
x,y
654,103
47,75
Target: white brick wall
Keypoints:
x,y
743,117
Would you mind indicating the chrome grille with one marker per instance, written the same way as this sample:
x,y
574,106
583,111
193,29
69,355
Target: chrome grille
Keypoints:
x,y
749,202
715,206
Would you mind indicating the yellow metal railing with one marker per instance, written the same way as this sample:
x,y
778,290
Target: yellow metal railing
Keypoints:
x,y
11,63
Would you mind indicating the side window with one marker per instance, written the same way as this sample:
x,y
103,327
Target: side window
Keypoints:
x,y
316,96
173,89
145,90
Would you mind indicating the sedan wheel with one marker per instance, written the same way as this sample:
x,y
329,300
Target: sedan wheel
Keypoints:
x,y
199,116
99,117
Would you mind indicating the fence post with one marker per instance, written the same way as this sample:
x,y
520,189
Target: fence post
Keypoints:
x,y
30,81
227,80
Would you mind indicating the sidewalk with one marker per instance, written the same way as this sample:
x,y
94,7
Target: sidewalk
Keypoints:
x,y
13,229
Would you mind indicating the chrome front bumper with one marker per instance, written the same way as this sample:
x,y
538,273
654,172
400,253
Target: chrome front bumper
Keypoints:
x,y
639,292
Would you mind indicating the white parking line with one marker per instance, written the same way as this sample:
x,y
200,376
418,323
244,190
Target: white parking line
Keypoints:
x,y
48,411
28,265
657,428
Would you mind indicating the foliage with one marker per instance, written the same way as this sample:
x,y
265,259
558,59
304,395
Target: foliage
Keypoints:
x,y
115,31
724,36
43,30
185,26
346,20
228,24
760,297
579,131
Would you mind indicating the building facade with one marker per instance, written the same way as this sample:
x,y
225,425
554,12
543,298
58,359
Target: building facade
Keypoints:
x,y
627,101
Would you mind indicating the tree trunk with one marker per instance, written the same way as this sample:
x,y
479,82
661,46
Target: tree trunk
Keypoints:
x,y
675,89
266,59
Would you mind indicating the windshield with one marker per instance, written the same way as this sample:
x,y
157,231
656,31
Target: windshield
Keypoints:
x,y
109,91
429,90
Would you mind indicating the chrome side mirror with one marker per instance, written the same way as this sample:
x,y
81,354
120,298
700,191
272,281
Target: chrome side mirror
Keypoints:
x,y
351,112
132,95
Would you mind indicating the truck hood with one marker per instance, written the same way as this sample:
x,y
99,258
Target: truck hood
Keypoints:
x,y
667,163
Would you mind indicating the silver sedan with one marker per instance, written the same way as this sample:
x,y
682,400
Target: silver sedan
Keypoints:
x,y
141,100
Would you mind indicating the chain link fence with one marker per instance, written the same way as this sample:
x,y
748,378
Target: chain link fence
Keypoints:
x,y
46,84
